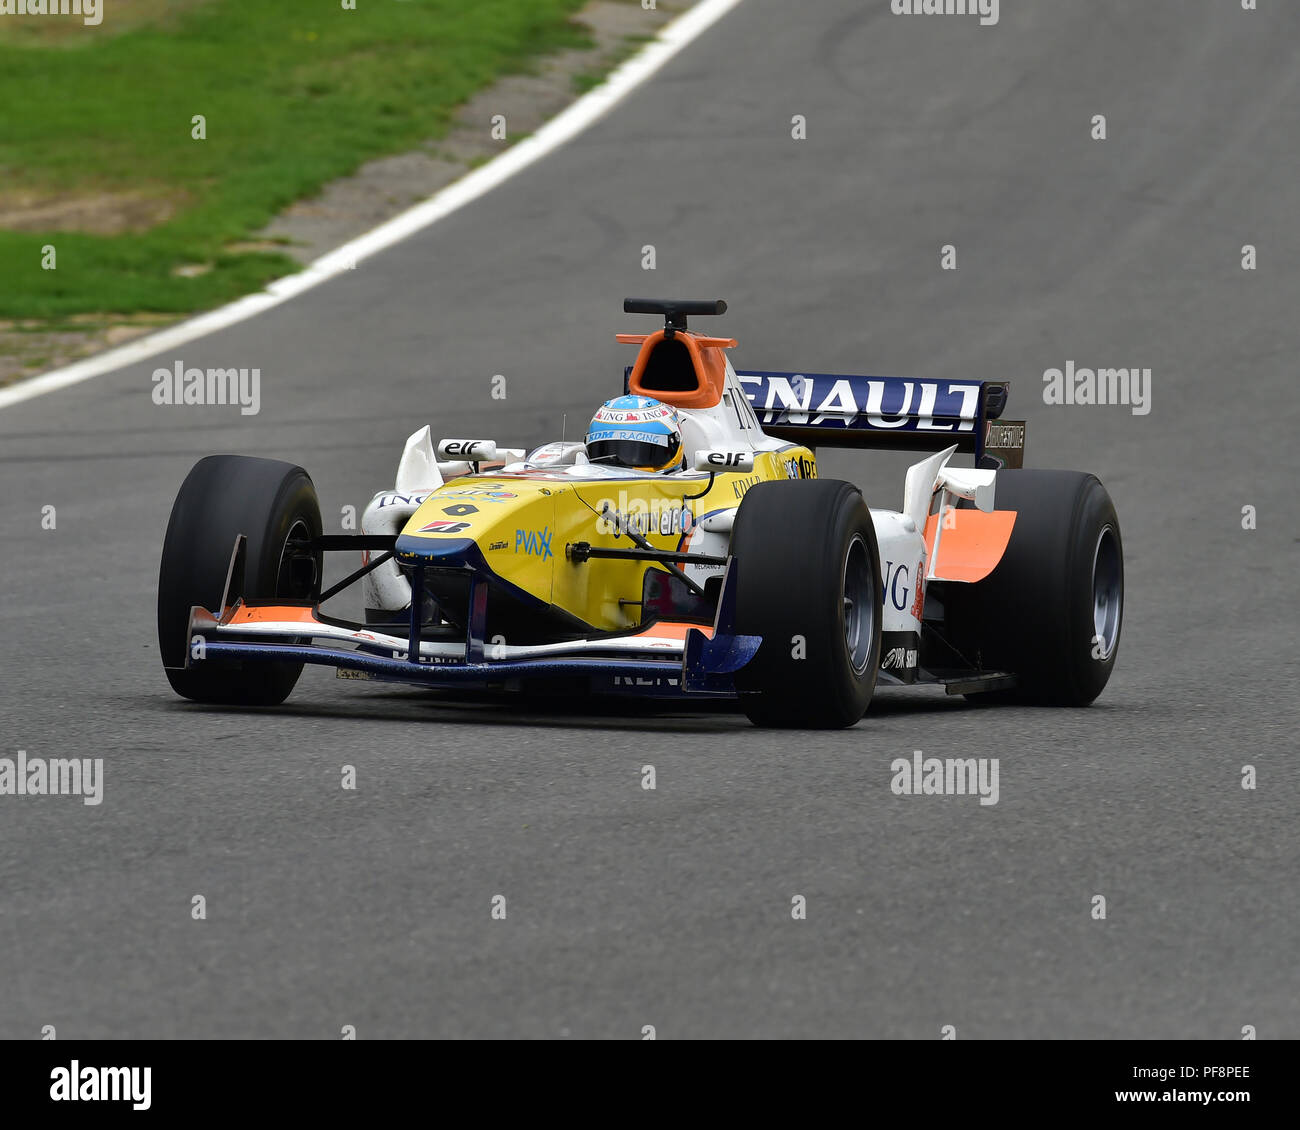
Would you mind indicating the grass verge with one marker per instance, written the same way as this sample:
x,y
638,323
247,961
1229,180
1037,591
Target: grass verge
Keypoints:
x,y
102,164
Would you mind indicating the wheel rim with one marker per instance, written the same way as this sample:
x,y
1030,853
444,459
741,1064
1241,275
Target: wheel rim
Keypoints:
x,y
1107,591
296,577
858,593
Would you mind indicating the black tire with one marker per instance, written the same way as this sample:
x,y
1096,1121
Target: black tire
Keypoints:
x,y
795,544
1055,601
274,506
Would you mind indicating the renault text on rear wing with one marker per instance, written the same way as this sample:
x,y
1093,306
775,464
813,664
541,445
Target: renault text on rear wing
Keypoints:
x,y
822,409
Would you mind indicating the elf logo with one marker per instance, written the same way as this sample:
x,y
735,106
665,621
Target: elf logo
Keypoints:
x,y
724,460
444,527
471,450
534,543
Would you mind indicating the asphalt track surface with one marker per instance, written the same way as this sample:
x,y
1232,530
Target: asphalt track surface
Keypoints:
x,y
673,907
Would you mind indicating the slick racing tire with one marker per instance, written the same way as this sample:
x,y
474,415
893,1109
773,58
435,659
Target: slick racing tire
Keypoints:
x,y
808,582
1050,612
274,505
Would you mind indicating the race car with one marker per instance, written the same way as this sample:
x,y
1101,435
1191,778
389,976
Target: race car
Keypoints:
x,y
684,548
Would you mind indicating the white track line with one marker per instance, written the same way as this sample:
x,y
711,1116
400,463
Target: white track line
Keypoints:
x,y
564,127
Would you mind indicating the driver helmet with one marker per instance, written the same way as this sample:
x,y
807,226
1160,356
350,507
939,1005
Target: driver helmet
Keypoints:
x,y
638,432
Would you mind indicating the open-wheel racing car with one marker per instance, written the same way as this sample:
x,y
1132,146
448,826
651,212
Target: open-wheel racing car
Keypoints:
x,y
685,548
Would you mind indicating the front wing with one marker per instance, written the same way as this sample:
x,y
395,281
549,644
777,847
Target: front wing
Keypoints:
x,y
664,659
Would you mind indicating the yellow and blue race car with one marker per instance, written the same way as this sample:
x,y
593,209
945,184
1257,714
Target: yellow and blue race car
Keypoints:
x,y
684,547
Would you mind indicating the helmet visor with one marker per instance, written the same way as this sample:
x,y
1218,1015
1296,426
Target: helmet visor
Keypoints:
x,y
643,451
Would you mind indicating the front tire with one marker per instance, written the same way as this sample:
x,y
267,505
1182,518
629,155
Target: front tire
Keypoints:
x,y
274,506
1050,612
809,584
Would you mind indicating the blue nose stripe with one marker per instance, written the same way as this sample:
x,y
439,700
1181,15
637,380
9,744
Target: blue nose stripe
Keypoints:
x,y
440,551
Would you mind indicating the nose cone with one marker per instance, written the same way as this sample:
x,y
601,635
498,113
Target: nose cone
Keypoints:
x,y
478,523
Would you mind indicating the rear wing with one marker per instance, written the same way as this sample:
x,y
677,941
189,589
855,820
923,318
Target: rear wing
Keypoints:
x,y
825,410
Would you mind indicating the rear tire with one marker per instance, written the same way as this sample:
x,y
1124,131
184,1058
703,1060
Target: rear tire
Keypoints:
x,y
274,505
809,584
1050,613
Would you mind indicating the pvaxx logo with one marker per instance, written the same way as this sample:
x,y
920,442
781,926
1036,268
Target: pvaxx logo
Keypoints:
x,y
535,543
